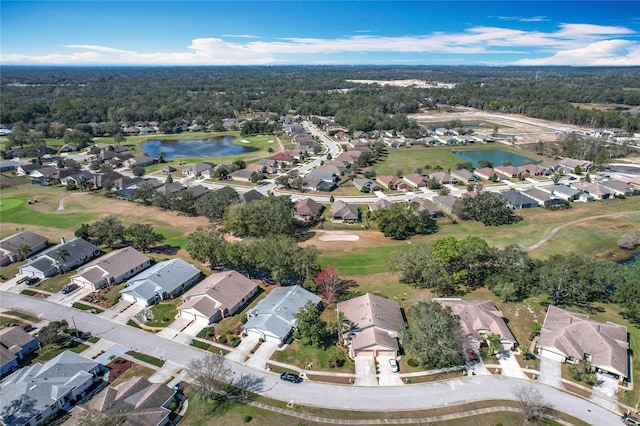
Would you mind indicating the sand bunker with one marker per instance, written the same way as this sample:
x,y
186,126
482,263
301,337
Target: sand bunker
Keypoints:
x,y
338,237
245,141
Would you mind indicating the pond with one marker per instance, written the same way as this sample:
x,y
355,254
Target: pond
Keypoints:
x,y
214,147
496,156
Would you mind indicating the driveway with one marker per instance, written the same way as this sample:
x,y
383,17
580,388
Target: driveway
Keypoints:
x,y
365,371
510,366
386,376
550,369
241,352
71,298
125,315
260,358
605,393
174,331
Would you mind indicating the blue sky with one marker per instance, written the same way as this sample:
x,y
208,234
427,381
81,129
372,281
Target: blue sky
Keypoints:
x,y
579,33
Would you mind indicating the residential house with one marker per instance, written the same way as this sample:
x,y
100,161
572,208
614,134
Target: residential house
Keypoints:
x,y
544,198
308,210
268,166
282,157
375,324
249,196
568,165
508,171
489,173
443,178
620,188
345,212
327,176
316,184
26,169
68,148
141,160
47,264
562,191
274,317
15,345
381,204
199,170
479,319
242,175
170,188
518,200
197,190
464,175
529,170
218,296
366,185
424,204
598,191
112,268
331,168
392,183
56,385
161,281
137,400
416,180
571,337
11,246
445,202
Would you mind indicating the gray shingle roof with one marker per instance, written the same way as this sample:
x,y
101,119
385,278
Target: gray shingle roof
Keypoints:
x,y
162,277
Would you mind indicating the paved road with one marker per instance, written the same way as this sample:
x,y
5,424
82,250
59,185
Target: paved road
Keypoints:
x,y
317,394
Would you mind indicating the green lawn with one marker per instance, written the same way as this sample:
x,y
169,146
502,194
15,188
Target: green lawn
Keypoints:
x,y
56,283
146,358
301,355
164,313
16,210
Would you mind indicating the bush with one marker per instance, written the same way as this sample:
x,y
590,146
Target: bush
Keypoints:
x,y
222,339
412,362
235,342
247,418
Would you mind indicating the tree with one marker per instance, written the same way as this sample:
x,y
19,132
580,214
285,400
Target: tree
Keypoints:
x,y
53,333
207,244
142,236
510,265
582,370
138,170
23,251
93,417
209,376
268,216
578,280
330,284
60,256
168,180
532,403
402,220
495,345
310,329
107,231
145,192
433,336
486,207
214,203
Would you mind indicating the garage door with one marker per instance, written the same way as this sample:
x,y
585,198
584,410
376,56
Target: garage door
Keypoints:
x,y
551,355
389,354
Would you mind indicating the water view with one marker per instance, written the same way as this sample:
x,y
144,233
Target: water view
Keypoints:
x,y
496,156
214,147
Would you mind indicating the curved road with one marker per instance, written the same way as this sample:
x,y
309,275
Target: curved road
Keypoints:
x,y
409,397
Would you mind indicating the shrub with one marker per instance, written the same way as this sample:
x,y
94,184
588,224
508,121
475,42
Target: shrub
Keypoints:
x,y
235,342
247,418
412,362
222,339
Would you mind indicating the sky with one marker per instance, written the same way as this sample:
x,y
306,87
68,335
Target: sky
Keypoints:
x,y
150,33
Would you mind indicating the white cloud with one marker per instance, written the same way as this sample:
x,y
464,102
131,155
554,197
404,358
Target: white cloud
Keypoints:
x,y
571,44
240,36
601,53
521,19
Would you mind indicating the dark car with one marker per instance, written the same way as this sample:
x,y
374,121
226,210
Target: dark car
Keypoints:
x,y
68,289
291,377
32,280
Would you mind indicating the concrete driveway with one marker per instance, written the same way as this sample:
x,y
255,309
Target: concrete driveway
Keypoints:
x,y
71,298
125,315
365,371
241,352
510,366
550,369
605,393
260,358
386,377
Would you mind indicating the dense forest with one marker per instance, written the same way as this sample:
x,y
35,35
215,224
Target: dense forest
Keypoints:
x,y
38,96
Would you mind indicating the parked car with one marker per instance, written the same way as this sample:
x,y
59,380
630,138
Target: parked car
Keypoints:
x,y
393,364
68,289
32,280
22,280
291,377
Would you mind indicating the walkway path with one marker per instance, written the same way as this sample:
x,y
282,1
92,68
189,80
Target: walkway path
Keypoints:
x,y
75,194
555,230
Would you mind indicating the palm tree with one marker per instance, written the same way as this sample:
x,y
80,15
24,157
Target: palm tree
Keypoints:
x,y
23,251
60,256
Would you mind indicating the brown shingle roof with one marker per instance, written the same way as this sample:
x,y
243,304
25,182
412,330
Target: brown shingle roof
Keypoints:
x,y
370,310
478,316
224,290
576,335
